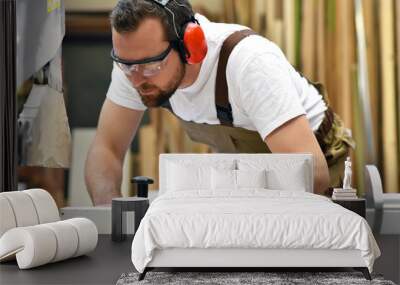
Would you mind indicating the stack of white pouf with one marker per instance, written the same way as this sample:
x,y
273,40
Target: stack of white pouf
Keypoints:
x,y
31,230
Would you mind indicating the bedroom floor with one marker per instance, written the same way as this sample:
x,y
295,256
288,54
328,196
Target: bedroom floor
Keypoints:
x,y
110,260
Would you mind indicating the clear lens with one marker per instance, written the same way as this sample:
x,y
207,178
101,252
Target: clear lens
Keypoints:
x,y
150,69
146,69
128,69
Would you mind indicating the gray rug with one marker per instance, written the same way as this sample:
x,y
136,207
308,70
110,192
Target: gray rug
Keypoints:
x,y
270,278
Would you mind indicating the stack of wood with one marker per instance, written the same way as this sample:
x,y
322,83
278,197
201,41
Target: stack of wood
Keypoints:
x,y
319,39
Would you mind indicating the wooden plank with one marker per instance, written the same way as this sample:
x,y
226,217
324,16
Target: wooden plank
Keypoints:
x,y
258,14
278,23
351,65
297,34
345,57
212,10
278,26
175,134
229,10
390,150
270,19
147,154
160,130
358,155
242,11
397,18
320,76
289,28
308,39
371,30
330,32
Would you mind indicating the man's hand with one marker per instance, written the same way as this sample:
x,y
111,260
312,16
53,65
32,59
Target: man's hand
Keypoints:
x,y
103,170
296,136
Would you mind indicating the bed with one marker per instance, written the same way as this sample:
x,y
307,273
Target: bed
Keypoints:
x,y
247,210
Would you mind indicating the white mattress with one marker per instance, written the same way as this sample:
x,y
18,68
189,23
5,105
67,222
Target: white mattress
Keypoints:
x,y
252,218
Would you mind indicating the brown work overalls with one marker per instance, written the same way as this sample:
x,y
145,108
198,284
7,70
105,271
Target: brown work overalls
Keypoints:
x,y
333,138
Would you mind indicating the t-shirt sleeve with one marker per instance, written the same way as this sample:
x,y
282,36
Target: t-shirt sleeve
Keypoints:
x,y
122,93
267,93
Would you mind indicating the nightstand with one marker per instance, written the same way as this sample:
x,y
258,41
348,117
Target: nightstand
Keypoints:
x,y
138,205
355,205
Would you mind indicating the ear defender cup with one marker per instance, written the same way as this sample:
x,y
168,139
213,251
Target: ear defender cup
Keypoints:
x,y
195,43
191,43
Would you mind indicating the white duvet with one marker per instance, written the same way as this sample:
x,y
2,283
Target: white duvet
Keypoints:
x,y
253,218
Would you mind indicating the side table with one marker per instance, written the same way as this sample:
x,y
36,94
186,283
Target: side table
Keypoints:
x,y
139,205
356,205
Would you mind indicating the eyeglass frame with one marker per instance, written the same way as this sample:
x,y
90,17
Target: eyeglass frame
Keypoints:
x,y
152,59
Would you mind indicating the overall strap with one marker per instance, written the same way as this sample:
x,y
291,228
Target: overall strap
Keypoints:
x,y
167,105
224,109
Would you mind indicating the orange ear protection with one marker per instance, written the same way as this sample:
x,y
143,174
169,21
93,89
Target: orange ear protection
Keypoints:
x,y
194,42
191,43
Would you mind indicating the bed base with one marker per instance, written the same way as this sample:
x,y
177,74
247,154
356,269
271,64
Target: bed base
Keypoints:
x,y
363,270
242,259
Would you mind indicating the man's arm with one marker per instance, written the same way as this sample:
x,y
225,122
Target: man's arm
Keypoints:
x,y
103,170
296,136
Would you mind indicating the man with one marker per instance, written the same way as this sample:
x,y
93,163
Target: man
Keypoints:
x,y
253,102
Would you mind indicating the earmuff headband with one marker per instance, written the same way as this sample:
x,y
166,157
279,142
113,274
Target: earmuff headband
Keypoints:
x,y
191,43
161,2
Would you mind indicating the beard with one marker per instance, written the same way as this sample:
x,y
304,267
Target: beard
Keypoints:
x,y
157,96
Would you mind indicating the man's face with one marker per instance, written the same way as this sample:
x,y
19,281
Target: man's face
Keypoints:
x,y
148,41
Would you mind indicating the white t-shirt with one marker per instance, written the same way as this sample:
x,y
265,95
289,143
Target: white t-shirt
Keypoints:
x,y
265,91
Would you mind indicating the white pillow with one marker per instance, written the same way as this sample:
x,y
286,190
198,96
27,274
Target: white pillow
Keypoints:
x,y
251,178
223,179
188,177
227,179
281,175
293,180
193,175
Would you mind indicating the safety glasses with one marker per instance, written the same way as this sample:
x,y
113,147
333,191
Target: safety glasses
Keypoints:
x,y
147,67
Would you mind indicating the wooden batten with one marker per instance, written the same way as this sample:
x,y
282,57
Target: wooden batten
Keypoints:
x,y
297,33
331,83
389,118
289,30
320,34
148,154
397,34
257,19
229,9
371,32
270,19
244,11
345,56
308,48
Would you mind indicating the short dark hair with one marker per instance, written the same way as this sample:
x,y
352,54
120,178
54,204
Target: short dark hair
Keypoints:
x,y
128,14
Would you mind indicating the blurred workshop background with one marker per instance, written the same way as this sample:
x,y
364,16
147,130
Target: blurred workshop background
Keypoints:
x,y
352,47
